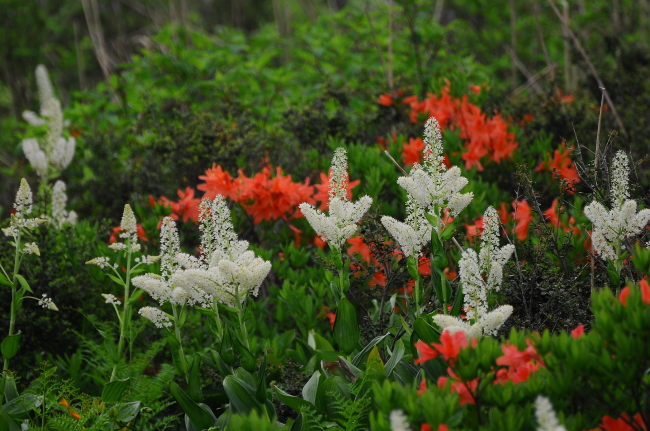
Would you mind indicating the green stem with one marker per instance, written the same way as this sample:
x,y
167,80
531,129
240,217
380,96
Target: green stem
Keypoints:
x,y
13,310
445,300
181,353
124,324
240,317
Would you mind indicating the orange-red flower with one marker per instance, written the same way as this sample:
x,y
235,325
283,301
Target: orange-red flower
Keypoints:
x,y
358,246
523,217
623,296
474,230
64,403
322,190
622,423
139,231
449,347
562,165
412,152
217,182
578,331
645,291
75,415
466,390
519,364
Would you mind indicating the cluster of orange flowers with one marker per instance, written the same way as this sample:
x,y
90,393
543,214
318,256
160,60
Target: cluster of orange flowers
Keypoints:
x,y
562,165
484,136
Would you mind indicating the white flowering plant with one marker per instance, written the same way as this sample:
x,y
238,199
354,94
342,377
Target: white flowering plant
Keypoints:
x,y
128,247
611,228
20,225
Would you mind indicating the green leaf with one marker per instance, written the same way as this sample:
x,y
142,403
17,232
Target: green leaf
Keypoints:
x,y
346,327
197,414
362,354
23,404
7,423
296,403
4,280
397,356
112,392
412,267
226,351
246,358
10,388
317,342
310,389
449,231
24,283
241,395
425,331
614,275
10,345
458,301
260,391
194,383
116,279
127,412
137,293
222,367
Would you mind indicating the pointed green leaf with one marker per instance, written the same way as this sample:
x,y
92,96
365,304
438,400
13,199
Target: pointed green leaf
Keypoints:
x,y
227,352
112,392
246,358
449,231
222,367
194,383
199,417
260,391
7,423
127,412
241,395
137,293
346,327
10,345
24,283
296,403
4,280
458,301
22,404
362,354
397,356
310,389
116,279
425,331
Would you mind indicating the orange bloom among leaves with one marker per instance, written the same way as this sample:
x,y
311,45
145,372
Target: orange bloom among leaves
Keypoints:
x,y
449,347
645,291
358,246
217,182
622,423
75,415
139,231
466,390
523,217
623,295
562,165
322,190
412,152
578,332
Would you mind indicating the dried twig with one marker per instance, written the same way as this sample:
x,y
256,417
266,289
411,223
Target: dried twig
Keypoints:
x,y
600,116
394,161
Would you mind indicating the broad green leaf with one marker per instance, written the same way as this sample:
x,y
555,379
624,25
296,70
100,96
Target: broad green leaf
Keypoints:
x,y
241,395
112,392
194,383
458,301
222,367
317,342
10,345
346,327
23,404
227,352
116,279
127,412
260,391
199,417
296,403
10,388
362,354
310,389
425,331
4,280
246,358
24,283
397,356
137,293
7,423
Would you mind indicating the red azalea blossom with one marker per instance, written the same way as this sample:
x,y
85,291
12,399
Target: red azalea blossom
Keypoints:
x,y
425,427
449,347
139,231
385,99
466,390
412,152
297,235
562,165
523,217
622,423
423,387
474,230
322,190
623,295
519,364
358,246
645,291
578,331
217,182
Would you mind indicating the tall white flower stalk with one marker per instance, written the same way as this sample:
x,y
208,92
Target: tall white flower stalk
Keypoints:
x,y
342,222
431,188
480,275
130,245
161,288
545,415
60,215
54,152
226,272
21,222
612,227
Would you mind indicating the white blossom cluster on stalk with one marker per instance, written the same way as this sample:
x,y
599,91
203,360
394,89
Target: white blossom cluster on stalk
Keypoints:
x,y
344,215
156,316
399,421
431,184
20,219
479,274
545,415
47,303
54,151
227,271
622,221
414,233
60,215
160,287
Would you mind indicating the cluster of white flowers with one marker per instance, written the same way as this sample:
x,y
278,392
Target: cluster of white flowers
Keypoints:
x,y
60,215
56,151
622,221
399,421
31,247
101,262
20,219
480,273
487,324
341,224
129,231
227,271
483,272
545,415
432,185
111,299
414,233
46,302
156,316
